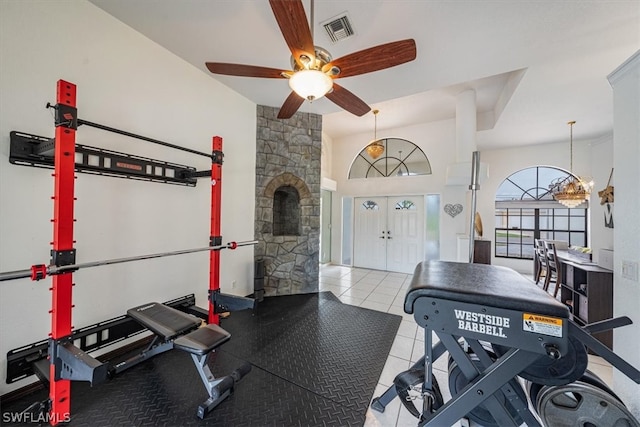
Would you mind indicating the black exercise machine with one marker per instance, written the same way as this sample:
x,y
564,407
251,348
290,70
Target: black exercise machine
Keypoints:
x,y
497,326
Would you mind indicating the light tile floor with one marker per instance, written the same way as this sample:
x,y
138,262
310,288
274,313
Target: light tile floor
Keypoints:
x,y
385,291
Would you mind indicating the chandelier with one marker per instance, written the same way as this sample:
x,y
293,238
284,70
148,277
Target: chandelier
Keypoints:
x,y
376,148
571,191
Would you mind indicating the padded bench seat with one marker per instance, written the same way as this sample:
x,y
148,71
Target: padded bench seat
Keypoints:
x,y
202,340
487,285
164,321
169,323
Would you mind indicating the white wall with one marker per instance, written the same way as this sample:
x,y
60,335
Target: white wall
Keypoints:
x,y
126,81
326,156
601,158
626,292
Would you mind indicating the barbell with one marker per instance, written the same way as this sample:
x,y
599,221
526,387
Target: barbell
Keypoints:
x,y
40,271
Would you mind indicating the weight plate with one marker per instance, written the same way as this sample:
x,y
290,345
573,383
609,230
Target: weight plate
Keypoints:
x,y
545,370
591,378
533,389
480,414
581,405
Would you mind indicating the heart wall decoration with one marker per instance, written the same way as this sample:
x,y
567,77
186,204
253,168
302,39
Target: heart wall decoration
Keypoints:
x,y
453,210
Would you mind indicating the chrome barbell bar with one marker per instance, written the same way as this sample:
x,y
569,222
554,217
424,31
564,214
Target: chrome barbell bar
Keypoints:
x,y
40,271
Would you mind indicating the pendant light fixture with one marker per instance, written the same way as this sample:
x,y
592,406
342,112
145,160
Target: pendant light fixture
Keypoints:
x,y
571,191
375,148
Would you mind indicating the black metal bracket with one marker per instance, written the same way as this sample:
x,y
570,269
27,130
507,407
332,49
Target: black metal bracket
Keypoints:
x,y
217,157
200,174
65,115
60,258
225,302
215,241
71,363
38,151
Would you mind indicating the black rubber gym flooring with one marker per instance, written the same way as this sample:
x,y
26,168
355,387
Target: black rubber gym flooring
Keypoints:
x,y
315,362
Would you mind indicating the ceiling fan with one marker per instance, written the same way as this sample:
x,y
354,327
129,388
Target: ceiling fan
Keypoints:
x,y
313,67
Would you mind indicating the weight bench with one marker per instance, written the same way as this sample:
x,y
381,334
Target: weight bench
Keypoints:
x,y
495,325
176,329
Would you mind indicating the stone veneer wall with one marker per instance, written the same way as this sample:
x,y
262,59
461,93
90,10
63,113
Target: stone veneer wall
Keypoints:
x,y
288,153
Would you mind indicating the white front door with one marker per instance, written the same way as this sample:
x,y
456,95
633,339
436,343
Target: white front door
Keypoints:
x,y
405,237
370,243
388,233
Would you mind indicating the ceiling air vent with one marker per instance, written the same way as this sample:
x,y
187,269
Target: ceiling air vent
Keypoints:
x,y
338,28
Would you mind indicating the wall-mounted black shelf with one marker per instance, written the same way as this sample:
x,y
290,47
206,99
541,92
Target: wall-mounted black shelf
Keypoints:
x,y
37,151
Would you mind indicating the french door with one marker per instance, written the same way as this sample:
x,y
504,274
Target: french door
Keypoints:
x,y
388,232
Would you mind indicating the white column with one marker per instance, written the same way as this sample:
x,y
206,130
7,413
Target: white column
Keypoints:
x,y
466,125
459,173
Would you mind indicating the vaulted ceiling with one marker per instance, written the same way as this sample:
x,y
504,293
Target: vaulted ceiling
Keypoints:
x,y
534,64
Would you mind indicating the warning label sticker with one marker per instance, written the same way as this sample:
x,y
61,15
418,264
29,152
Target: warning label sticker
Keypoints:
x,y
544,325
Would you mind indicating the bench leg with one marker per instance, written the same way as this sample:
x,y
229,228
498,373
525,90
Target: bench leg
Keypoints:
x,y
217,388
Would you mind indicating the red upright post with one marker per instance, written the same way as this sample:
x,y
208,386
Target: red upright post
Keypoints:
x,y
216,238
63,252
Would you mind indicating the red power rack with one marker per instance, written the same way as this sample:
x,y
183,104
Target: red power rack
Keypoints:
x,y
63,251
216,238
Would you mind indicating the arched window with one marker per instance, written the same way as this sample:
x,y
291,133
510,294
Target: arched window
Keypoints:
x,y
526,210
399,158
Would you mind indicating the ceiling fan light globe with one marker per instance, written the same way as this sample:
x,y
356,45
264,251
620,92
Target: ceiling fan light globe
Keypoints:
x,y
310,84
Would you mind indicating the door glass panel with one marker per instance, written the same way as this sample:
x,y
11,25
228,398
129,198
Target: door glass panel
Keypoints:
x,y
347,229
325,226
432,241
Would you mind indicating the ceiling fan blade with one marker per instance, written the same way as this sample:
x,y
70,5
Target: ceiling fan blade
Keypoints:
x,y
293,24
245,70
375,58
347,100
290,106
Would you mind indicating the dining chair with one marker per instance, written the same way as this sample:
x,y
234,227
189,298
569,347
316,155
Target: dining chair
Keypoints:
x,y
539,260
554,268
